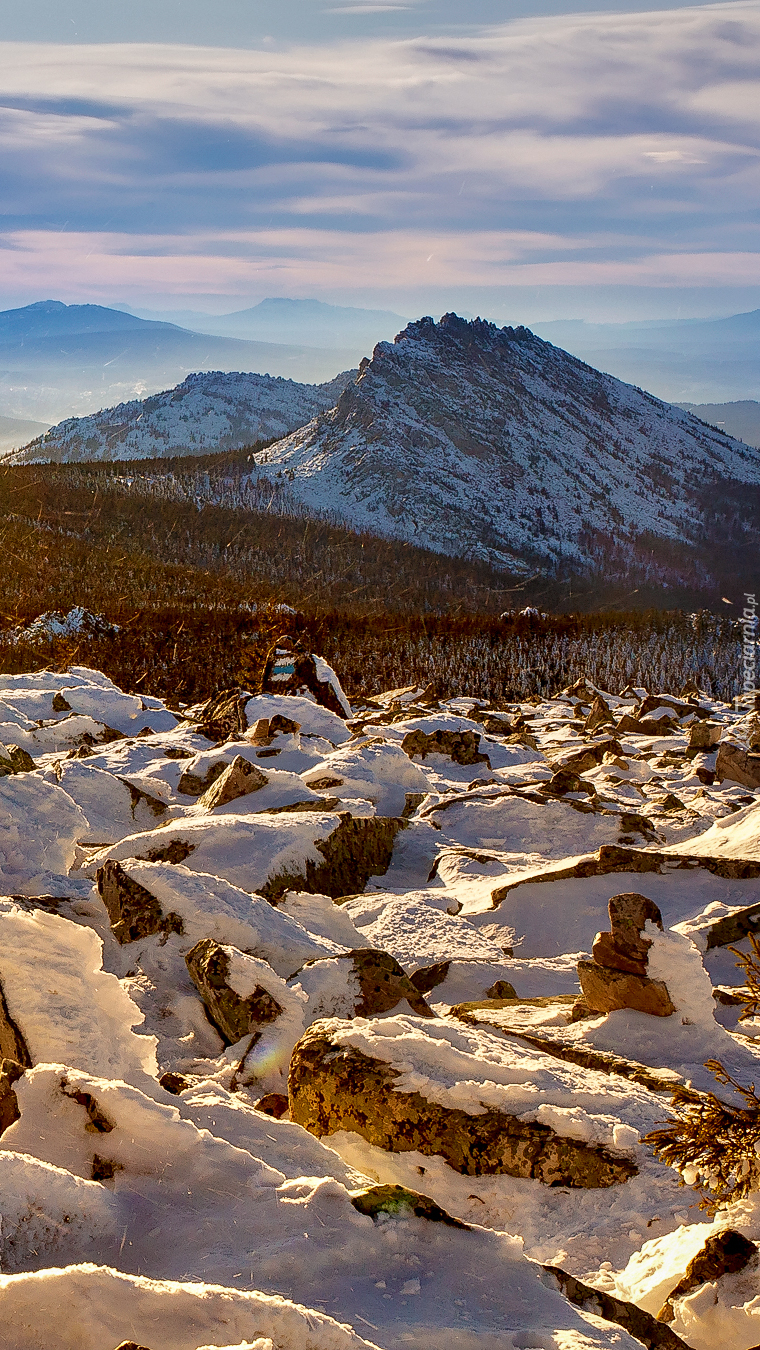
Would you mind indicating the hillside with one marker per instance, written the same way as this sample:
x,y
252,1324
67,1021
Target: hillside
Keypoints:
x,y
490,442
58,361
207,412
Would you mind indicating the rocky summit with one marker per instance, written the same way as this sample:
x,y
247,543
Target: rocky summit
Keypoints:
x,y
471,439
358,1028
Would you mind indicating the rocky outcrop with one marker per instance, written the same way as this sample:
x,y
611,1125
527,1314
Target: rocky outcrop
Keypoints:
x,y
460,746
335,1087
233,1016
579,761
617,976
238,779
738,765
639,1324
290,669
358,848
724,1253
132,910
703,736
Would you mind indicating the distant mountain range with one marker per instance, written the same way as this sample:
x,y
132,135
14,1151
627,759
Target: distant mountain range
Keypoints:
x,y
741,419
693,360
208,412
310,323
492,443
59,360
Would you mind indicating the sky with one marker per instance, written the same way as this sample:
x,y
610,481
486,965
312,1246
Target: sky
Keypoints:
x,y
540,160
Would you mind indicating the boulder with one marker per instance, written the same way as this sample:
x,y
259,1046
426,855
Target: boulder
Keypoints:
x,y
642,1326
238,779
704,736
133,911
566,780
333,1086
359,847
599,716
724,1253
10,1072
617,975
678,706
193,784
20,761
740,766
289,669
359,983
607,990
578,761
233,1015
460,746
224,715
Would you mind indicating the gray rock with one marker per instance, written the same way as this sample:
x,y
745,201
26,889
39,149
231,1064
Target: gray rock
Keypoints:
x,y
738,765
607,990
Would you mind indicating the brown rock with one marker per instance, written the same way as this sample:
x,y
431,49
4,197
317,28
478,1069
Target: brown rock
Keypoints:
x,y
383,984
390,1199
133,911
723,1254
704,735
333,1087
740,766
629,913
460,746
274,1104
289,669
10,1072
599,715
174,1083
12,1043
590,755
238,779
20,759
607,990
232,1015
192,784
224,715
359,847
642,1326
605,953
565,780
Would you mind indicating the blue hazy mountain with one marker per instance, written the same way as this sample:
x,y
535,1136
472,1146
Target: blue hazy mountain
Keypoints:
x,y
311,323
60,360
692,360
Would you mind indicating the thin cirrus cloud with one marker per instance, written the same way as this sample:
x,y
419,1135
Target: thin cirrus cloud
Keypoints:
x,y
604,149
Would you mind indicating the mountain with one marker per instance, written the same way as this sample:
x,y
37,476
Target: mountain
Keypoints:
x,y
208,412
17,431
493,443
741,419
309,322
60,360
696,360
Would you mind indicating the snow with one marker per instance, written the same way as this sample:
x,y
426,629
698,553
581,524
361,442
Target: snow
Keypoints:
x,y
69,1010
214,1224
207,413
481,490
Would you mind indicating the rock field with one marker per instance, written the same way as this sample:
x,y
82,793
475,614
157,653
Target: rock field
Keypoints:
x,y
328,1027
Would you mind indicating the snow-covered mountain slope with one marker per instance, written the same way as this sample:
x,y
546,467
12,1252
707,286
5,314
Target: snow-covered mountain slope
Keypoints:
x,y
470,439
206,413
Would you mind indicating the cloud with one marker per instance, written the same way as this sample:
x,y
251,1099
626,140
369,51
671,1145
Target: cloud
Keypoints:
x,y
623,148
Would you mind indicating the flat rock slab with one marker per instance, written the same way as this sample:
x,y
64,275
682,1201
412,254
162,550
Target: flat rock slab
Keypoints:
x,y
333,1087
